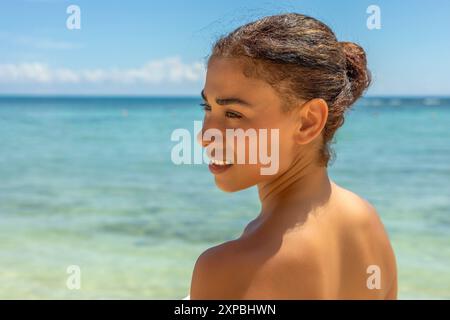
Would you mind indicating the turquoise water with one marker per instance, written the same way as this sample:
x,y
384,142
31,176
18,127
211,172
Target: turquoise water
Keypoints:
x,y
89,182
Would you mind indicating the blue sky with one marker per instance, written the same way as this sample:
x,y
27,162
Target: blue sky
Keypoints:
x,y
158,47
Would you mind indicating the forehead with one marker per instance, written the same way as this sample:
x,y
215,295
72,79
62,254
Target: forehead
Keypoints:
x,y
225,76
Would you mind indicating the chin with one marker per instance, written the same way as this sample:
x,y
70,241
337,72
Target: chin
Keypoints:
x,y
232,185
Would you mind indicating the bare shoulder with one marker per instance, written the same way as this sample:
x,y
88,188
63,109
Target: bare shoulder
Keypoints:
x,y
355,211
216,273
325,259
368,242
359,213
242,269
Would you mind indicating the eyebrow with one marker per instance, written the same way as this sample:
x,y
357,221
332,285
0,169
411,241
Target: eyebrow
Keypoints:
x,y
227,101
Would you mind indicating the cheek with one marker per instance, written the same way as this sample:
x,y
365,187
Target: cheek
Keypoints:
x,y
277,148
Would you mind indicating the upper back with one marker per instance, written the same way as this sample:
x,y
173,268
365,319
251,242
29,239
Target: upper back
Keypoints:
x,y
342,252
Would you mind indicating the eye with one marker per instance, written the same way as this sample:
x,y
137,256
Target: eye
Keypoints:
x,y
205,106
229,114
232,114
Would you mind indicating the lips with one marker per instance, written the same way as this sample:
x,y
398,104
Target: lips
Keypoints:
x,y
220,162
219,166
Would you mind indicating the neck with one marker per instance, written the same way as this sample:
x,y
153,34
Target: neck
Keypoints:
x,y
304,182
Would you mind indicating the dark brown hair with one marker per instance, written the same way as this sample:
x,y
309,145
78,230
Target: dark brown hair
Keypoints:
x,y
302,59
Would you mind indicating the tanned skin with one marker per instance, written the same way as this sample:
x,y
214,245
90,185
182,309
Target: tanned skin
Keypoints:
x,y
313,239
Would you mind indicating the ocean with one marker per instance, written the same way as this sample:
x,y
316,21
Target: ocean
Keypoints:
x,y
89,182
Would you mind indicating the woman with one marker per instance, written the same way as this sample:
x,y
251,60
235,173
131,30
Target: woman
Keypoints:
x,y
312,239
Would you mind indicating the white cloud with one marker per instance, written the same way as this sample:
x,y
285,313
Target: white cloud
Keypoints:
x,y
38,42
168,70
25,72
44,43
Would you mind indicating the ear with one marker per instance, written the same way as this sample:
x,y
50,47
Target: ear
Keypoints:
x,y
312,118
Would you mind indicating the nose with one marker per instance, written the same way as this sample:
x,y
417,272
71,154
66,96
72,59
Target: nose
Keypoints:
x,y
201,141
207,125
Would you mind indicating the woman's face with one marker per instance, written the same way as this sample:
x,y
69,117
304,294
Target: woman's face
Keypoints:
x,y
234,101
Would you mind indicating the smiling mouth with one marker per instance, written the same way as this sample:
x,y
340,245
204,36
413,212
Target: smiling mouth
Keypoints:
x,y
219,166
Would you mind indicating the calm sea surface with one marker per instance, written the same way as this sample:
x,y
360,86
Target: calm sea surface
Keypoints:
x,y
90,182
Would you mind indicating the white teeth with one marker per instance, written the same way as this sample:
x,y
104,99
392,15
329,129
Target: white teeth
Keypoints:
x,y
219,162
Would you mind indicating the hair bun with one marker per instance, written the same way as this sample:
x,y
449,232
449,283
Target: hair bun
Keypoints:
x,y
356,64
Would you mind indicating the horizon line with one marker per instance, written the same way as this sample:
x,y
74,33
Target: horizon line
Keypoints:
x,y
181,96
